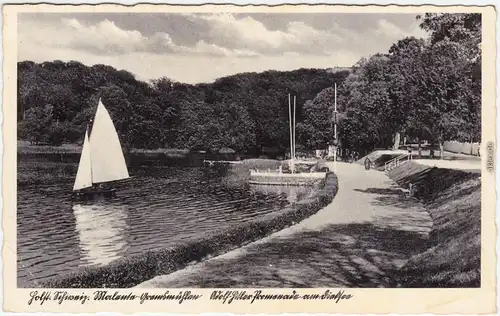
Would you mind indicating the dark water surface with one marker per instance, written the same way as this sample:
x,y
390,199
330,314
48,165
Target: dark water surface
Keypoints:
x,y
159,207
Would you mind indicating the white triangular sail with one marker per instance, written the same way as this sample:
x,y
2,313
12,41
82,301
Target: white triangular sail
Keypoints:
x,y
84,173
108,162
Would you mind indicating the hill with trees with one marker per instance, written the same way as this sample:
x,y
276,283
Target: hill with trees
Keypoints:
x,y
245,111
425,89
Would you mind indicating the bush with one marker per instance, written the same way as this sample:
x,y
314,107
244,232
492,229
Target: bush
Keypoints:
x,y
56,135
261,164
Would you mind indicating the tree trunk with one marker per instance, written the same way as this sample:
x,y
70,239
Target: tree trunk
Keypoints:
x,y
397,139
419,149
441,150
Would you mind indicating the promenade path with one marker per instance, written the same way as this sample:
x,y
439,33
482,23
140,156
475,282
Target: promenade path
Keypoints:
x,y
359,240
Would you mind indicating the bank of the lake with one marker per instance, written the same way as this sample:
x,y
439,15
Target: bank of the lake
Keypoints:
x,y
133,156
166,216
57,162
372,235
452,254
130,271
361,239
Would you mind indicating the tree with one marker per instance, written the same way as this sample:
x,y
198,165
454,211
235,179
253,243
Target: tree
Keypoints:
x,y
56,134
428,89
406,61
246,112
119,108
463,28
37,123
316,129
366,100
445,101
454,63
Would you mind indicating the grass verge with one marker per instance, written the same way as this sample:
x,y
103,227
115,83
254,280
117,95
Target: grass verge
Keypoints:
x,y
453,200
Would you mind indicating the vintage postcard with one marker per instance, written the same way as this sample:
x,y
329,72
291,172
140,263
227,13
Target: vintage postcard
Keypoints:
x,y
249,159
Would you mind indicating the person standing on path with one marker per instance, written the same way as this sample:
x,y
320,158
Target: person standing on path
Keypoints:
x,y
367,164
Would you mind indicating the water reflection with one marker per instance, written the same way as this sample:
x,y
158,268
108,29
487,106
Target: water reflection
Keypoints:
x,y
102,232
291,193
160,207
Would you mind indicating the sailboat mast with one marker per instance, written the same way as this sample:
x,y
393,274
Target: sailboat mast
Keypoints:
x,y
84,173
89,131
108,161
294,119
291,138
90,155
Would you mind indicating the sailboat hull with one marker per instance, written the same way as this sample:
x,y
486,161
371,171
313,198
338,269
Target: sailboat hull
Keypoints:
x,y
93,194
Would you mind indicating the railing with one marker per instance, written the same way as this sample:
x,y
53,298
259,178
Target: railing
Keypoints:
x,y
277,173
393,163
213,162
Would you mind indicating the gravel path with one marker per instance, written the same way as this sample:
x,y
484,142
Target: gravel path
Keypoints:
x,y
359,240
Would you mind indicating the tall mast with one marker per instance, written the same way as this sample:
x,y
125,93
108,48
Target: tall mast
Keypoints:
x,y
294,119
89,131
291,137
335,111
88,135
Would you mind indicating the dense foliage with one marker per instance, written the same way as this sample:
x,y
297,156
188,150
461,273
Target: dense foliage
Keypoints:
x,y
244,112
426,90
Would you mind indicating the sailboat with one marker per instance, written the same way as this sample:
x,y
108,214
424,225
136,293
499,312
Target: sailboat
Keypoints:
x,y
102,160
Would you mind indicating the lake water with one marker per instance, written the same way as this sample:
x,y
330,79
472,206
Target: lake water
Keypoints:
x,y
159,207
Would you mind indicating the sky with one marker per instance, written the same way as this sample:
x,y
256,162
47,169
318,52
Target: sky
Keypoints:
x,y
195,48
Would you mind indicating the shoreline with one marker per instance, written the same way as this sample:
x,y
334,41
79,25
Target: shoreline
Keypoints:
x,y
387,239
73,149
452,197
127,272
359,240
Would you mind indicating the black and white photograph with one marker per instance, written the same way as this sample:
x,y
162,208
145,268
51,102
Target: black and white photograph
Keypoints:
x,y
251,150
